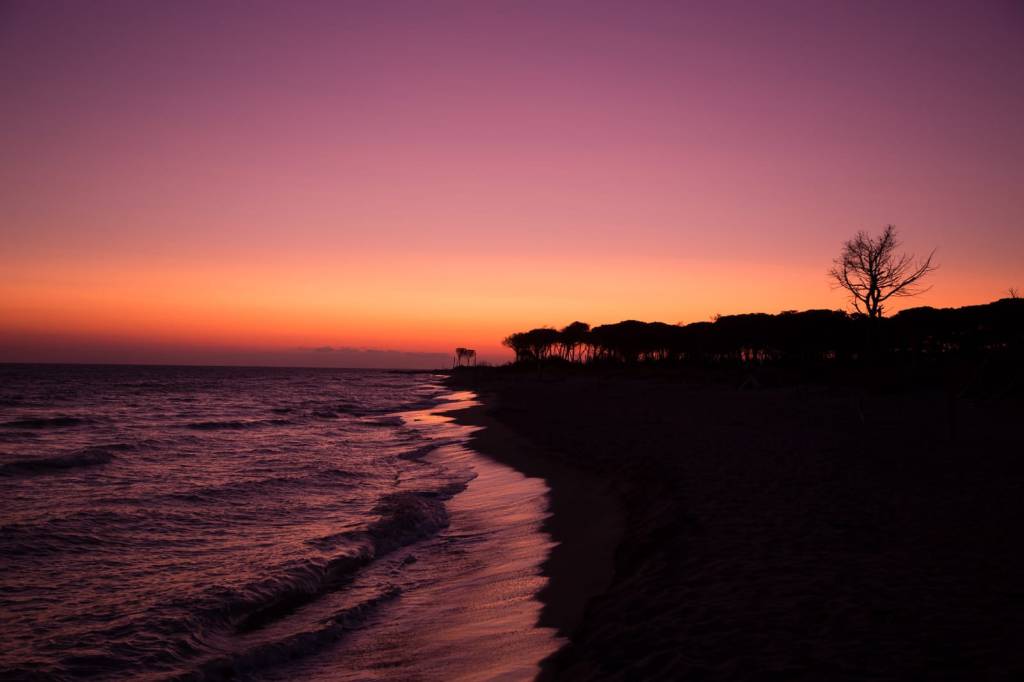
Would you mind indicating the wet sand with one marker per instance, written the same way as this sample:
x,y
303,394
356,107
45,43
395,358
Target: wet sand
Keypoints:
x,y
585,520
784,533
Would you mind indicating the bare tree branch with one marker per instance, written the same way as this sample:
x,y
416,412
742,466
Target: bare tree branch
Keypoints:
x,y
872,271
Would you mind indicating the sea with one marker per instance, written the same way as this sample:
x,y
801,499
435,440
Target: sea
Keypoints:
x,y
201,523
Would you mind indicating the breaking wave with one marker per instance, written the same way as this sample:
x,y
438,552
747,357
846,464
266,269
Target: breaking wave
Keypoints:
x,y
209,523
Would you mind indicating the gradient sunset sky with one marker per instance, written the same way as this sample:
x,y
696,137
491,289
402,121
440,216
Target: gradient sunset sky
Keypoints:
x,y
245,182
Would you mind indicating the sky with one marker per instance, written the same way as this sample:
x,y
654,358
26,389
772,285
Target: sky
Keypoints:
x,y
257,182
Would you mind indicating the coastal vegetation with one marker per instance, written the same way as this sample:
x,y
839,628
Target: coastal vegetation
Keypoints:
x,y
792,337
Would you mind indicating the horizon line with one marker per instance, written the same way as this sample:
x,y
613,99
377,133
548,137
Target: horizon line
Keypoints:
x,y
404,370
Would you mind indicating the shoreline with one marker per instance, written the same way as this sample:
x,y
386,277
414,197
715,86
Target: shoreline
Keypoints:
x,y
584,520
468,606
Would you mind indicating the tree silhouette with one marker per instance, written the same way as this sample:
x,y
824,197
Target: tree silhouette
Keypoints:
x,y
573,338
467,354
871,270
804,339
541,342
520,345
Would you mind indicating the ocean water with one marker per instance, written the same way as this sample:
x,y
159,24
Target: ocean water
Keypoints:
x,y
216,523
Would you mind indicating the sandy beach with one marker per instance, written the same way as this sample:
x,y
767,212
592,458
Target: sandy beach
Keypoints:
x,y
586,518
806,532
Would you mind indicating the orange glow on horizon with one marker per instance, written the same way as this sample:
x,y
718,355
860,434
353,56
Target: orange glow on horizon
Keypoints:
x,y
413,304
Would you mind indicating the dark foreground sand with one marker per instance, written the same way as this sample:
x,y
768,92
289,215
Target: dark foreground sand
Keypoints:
x,y
791,533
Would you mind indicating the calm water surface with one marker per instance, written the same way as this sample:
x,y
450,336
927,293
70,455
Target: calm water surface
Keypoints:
x,y
207,523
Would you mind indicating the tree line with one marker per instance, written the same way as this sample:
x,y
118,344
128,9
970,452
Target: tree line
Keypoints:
x,y
790,337
871,269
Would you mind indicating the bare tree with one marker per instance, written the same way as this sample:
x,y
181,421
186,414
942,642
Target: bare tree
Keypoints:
x,y
872,271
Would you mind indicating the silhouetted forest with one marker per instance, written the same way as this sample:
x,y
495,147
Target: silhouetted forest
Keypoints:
x,y
914,336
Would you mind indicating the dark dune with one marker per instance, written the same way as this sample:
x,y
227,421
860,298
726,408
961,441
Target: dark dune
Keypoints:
x,y
783,533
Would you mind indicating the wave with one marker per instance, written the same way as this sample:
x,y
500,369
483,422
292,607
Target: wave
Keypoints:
x,y
91,530
403,518
384,414
424,450
43,423
383,421
420,452
326,414
246,488
300,644
28,673
344,408
409,516
89,457
238,424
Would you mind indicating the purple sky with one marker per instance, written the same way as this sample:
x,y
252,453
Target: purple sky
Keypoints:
x,y
200,179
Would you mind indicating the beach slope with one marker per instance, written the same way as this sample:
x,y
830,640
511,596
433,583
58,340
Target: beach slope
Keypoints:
x,y
784,533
